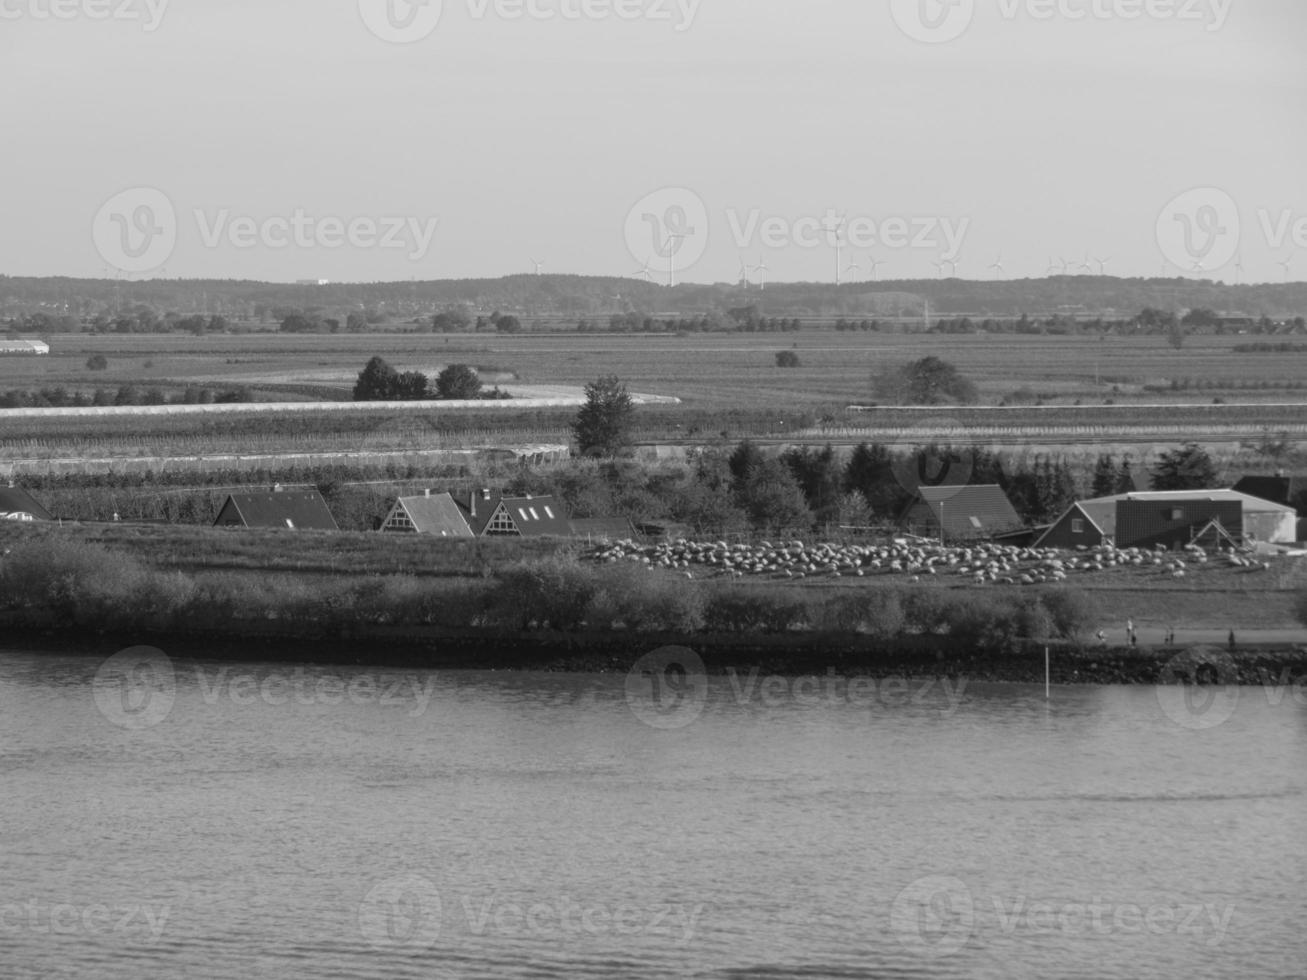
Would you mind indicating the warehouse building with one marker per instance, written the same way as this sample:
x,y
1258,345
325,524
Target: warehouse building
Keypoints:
x,y
1173,518
11,345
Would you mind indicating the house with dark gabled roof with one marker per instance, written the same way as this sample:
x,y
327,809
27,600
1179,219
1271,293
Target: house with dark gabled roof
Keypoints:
x,y
294,510
491,515
962,512
19,505
433,513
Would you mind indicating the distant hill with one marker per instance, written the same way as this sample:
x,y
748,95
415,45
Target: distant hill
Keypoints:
x,y
559,296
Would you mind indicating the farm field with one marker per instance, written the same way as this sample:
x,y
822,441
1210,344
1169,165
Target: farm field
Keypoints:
x,y
728,385
718,371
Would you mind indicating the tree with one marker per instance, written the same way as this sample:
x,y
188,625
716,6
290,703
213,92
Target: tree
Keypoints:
x,y
787,359
356,323
508,324
870,472
1175,335
773,499
603,426
411,386
1188,468
929,381
458,382
377,382
817,473
1106,477
742,462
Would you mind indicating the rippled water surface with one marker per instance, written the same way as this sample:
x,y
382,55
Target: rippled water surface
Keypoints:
x,y
330,822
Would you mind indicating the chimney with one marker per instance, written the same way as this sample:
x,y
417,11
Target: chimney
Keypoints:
x,y
472,503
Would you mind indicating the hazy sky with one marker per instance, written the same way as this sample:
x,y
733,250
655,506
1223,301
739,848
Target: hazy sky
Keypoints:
x,y
498,134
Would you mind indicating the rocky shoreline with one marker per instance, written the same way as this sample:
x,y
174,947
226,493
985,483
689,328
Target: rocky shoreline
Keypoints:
x,y
607,652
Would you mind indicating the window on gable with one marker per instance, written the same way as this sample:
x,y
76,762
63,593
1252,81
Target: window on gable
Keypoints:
x,y
1176,513
1077,526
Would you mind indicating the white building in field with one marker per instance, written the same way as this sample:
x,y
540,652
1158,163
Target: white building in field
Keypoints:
x,y
15,346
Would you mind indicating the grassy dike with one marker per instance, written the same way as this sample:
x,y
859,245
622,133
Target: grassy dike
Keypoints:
x,y
533,606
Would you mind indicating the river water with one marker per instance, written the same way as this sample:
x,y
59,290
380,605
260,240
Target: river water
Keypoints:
x,y
188,819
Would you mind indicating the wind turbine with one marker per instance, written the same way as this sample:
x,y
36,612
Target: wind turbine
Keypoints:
x,y
835,228
854,268
1238,268
939,267
954,264
671,259
644,273
744,272
764,269
997,266
1052,266
538,264
1065,266
875,264
1086,266
1285,264
1102,265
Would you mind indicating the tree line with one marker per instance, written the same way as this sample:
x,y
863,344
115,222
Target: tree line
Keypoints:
x,y
379,382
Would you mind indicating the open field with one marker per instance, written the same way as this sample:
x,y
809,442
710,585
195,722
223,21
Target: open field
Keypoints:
x,y
716,371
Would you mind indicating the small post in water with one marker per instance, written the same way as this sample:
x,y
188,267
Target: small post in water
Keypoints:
x,y
1048,675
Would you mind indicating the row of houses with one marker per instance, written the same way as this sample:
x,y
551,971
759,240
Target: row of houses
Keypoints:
x,y
479,514
1171,519
1246,514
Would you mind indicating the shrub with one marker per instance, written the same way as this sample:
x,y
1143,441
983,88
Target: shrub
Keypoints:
x,y
97,362
549,594
787,359
734,611
638,599
877,612
1073,612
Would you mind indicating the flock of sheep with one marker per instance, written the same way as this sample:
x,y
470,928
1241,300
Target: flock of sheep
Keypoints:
x,y
981,563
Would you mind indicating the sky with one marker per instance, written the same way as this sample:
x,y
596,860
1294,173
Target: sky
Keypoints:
x,y
365,140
